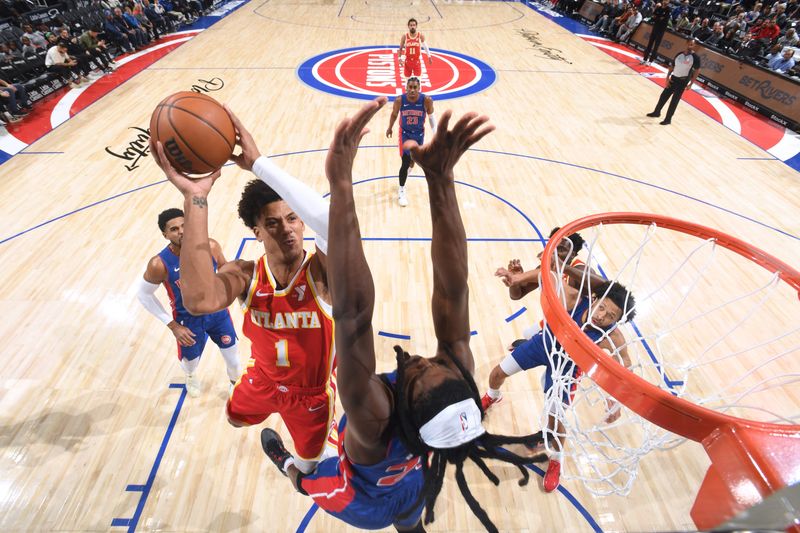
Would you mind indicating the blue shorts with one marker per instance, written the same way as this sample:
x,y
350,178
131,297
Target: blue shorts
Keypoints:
x,y
350,502
218,326
532,354
409,136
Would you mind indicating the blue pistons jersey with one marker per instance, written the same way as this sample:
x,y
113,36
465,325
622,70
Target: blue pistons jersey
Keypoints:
x,y
369,496
412,117
218,326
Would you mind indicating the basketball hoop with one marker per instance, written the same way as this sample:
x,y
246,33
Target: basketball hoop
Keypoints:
x,y
750,459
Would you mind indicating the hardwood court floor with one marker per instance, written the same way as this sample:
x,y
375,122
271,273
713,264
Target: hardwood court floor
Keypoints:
x,y
85,402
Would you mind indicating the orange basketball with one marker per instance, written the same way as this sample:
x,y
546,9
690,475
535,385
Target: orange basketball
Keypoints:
x,y
196,132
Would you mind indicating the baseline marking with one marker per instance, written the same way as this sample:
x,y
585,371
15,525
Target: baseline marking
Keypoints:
x,y
132,522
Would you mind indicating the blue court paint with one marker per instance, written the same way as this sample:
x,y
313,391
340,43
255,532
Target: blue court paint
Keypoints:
x,y
46,222
241,247
794,162
132,522
394,335
572,499
473,333
307,72
516,315
642,182
307,518
524,156
206,21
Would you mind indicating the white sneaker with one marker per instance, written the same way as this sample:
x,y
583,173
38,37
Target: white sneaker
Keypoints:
x,y
401,197
192,385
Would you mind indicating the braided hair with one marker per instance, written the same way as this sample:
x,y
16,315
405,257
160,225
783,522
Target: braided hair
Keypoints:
x,y
434,461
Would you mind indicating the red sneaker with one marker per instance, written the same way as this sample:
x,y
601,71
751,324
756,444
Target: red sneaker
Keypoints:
x,y
552,476
487,401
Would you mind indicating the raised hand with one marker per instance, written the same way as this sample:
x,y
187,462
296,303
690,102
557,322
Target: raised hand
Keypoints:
x,y
344,146
438,157
515,266
186,185
250,151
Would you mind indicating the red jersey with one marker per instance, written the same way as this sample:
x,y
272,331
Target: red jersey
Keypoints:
x,y
291,329
413,47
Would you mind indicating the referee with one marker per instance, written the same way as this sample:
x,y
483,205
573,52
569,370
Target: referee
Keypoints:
x,y
682,73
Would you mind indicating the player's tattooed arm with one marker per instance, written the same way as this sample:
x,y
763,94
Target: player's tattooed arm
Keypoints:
x,y
200,201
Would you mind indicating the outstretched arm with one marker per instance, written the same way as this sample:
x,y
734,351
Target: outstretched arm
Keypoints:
x,y
364,397
449,241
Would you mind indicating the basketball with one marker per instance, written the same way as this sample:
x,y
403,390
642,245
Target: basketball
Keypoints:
x,y
195,130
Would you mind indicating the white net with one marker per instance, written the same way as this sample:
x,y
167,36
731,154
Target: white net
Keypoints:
x,y
710,326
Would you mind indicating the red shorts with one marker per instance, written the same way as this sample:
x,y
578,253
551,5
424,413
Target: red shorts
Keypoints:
x,y
412,68
307,412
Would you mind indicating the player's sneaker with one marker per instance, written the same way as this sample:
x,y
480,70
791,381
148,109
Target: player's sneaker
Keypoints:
x,y
553,476
401,197
487,401
272,444
192,385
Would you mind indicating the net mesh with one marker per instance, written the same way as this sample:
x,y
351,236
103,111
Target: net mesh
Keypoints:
x,y
710,326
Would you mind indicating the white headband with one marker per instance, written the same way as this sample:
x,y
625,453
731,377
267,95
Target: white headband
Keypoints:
x,y
453,426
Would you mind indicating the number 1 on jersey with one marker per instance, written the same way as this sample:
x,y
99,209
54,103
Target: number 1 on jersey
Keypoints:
x,y
282,347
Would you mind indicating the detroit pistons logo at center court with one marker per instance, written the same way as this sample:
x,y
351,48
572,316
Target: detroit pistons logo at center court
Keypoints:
x,y
365,72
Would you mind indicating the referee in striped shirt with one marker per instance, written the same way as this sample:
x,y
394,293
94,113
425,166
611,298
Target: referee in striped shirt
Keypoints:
x,y
682,73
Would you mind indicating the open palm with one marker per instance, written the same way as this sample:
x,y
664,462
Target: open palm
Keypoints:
x,y
440,155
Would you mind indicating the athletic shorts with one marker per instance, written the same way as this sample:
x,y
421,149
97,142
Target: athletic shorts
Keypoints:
x,y
532,354
331,487
412,68
307,412
408,136
218,326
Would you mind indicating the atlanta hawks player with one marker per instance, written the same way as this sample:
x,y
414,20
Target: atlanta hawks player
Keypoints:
x,y
285,295
410,47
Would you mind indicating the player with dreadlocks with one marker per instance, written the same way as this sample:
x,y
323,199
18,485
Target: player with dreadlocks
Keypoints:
x,y
401,430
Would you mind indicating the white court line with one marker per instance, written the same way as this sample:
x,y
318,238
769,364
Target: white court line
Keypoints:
x,y
787,147
10,144
60,112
